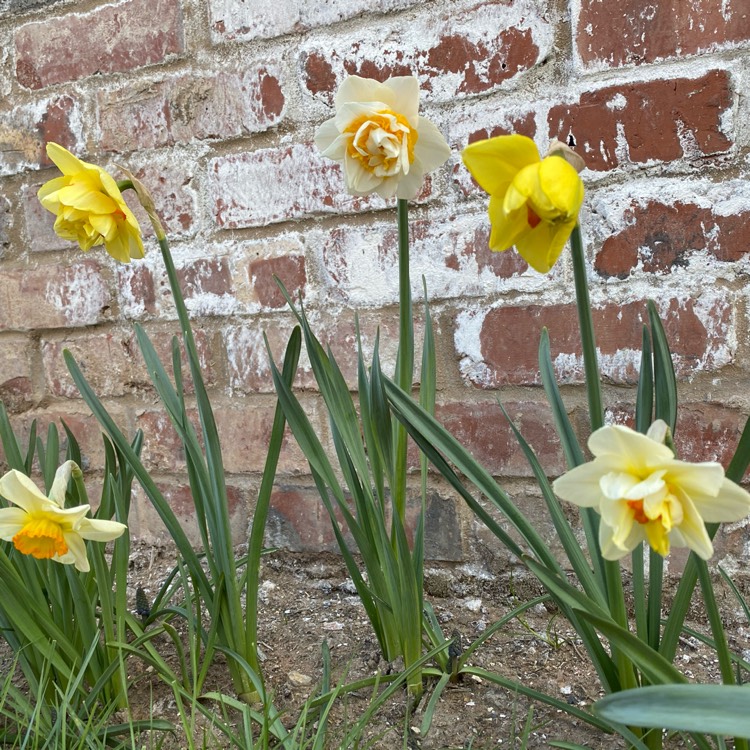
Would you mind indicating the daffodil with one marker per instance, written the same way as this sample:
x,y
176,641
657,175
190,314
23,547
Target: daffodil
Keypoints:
x,y
385,146
89,207
643,493
42,527
534,202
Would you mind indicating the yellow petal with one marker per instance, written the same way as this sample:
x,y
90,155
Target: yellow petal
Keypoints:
x,y
495,162
561,186
12,520
99,530
21,491
64,160
506,228
540,247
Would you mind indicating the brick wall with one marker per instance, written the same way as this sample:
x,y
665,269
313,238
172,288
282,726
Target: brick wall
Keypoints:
x,y
214,103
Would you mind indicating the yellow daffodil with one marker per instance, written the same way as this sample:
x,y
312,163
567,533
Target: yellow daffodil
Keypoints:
x,y
385,146
534,202
42,527
89,207
644,494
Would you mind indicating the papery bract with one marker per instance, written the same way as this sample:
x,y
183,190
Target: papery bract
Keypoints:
x,y
42,527
643,493
534,202
89,207
385,146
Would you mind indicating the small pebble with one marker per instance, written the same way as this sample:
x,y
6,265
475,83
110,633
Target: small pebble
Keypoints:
x,y
473,605
299,679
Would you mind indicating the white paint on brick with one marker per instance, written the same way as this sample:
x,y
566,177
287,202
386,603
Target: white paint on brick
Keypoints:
x,y
80,295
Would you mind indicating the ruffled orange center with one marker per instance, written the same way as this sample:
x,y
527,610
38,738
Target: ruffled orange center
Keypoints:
x,y
638,513
383,142
40,538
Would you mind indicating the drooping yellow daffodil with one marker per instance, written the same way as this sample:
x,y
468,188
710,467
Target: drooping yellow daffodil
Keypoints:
x,y
534,202
42,527
89,207
385,146
644,494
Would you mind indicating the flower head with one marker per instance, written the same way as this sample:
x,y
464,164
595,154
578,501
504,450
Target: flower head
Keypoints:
x,y
386,147
534,202
644,494
42,527
90,208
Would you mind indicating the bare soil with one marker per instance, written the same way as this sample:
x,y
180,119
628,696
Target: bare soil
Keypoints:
x,y
306,600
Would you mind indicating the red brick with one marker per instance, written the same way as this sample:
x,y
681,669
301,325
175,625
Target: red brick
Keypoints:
x,y
113,364
298,521
290,269
509,340
222,105
54,296
16,379
639,33
27,128
459,53
661,236
179,497
108,39
661,120
205,276
483,430
162,448
84,427
277,184
135,291
171,187
235,19
245,432
6,223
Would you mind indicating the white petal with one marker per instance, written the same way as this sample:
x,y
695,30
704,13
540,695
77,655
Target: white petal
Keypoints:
x,y
76,552
731,504
359,180
693,530
21,491
658,431
633,447
615,485
357,89
619,517
405,97
410,184
60,483
99,530
337,148
326,134
350,111
431,149
581,485
610,551
704,479
12,520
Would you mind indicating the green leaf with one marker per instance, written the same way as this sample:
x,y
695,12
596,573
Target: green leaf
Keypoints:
x,y
665,383
708,709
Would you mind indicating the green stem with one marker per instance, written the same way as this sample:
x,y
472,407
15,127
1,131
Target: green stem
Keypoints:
x,y
405,359
586,324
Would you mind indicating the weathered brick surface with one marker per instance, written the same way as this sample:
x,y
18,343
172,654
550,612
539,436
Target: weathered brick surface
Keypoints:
x,y
220,126
660,237
641,122
277,184
233,19
644,33
460,51
24,130
501,346
112,362
108,39
54,296
223,104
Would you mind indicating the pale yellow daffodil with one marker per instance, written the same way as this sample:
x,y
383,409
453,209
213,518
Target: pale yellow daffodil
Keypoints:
x,y
534,202
643,493
385,146
89,207
42,527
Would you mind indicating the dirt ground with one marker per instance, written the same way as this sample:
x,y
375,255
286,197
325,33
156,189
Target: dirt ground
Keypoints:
x,y
305,600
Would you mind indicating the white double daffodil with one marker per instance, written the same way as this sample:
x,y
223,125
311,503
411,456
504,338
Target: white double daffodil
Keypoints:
x,y
385,146
644,494
43,527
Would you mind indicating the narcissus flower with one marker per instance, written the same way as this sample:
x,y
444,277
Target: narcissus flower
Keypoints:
x,y
386,147
534,202
90,208
42,527
644,494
